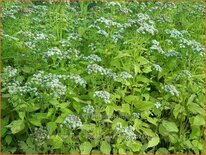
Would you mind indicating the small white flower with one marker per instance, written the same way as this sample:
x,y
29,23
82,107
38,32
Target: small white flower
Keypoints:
x,y
136,115
88,109
125,75
73,121
92,58
105,96
157,67
171,89
78,80
10,71
126,132
157,105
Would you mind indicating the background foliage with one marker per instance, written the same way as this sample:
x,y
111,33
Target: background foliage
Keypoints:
x,y
103,77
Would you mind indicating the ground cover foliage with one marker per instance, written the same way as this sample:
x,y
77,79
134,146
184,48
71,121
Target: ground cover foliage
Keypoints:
x,y
103,77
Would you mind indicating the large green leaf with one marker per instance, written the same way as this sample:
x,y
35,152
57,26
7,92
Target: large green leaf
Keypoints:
x,y
170,126
105,147
153,142
16,126
85,148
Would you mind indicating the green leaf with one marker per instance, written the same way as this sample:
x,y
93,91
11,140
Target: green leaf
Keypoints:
x,y
147,69
105,148
8,139
122,151
198,121
125,108
134,145
153,142
77,107
86,148
50,112
27,148
170,126
35,121
195,108
162,150
56,142
81,30
109,110
144,105
132,98
142,60
21,115
27,69
51,126
16,126
177,110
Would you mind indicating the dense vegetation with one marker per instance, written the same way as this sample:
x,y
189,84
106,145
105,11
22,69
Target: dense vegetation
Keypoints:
x,y
103,77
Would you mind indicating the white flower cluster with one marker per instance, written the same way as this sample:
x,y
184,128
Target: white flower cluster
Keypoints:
x,y
171,89
157,105
64,43
93,26
184,73
196,46
26,34
74,36
125,10
15,88
92,58
103,32
40,135
156,47
41,36
113,4
163,19
50,82
78,80
56,86
88,109
57,53
116,38
73,122
94,68
146,24
107,22
92,46
157,67
125,75
172,53
72,52
174,33
104,95
163,6
10,37
136,115
10,71
170,42
10,11
126,132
